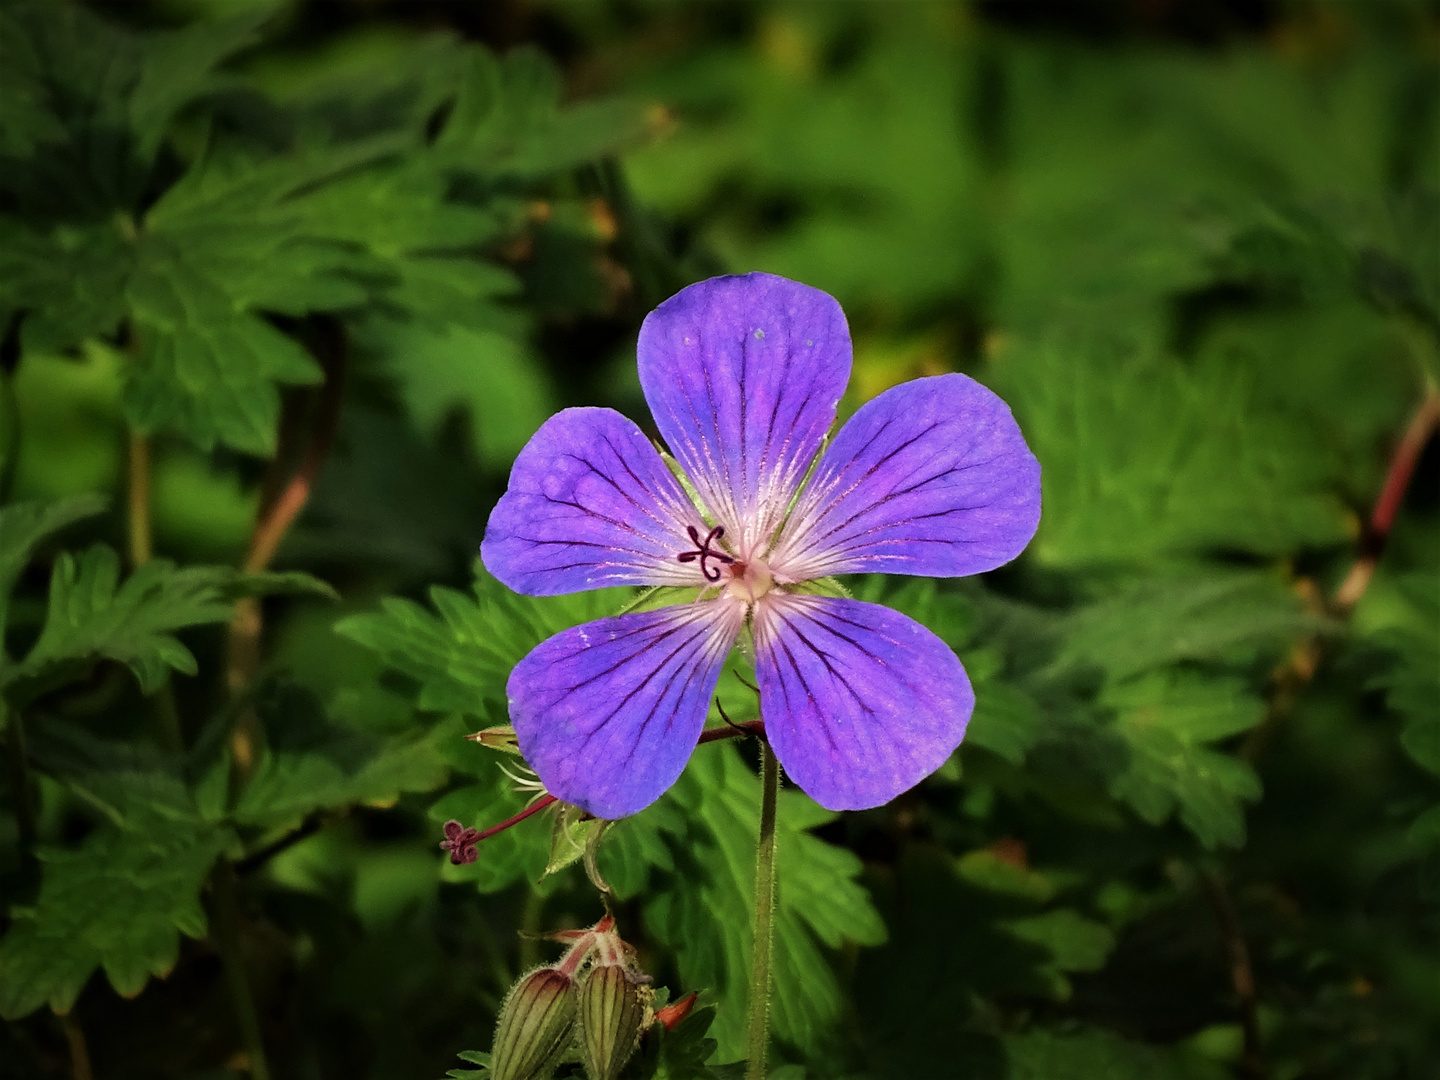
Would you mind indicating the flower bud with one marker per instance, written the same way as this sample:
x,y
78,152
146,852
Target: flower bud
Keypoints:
x,y
536,1023
614,1013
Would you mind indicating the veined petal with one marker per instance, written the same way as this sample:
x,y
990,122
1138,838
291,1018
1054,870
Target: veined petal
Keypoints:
x,y
743,375
932,477
860,702
607,713
590,504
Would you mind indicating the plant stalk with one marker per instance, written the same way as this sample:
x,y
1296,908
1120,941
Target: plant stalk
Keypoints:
x,y
20,784
9,434
141,547
281,501
79,1050
227,939
759,1037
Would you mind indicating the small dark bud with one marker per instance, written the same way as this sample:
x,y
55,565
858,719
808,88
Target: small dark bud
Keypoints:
x,y
614,1013
535,1028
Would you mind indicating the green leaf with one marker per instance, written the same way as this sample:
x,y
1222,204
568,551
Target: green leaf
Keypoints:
x,y
1165,720
120,900
1075,944
24,526
1412,680
683,1054
1148,460
312,763
705,911
92,615
462,657
1099,1055
178,66
206,369
507,120
1218,617
488,376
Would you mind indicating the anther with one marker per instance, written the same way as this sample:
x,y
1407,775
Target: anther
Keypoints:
x,y
703,551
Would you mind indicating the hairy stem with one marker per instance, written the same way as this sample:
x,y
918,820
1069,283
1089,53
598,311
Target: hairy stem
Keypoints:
x,y
759,1037
227,939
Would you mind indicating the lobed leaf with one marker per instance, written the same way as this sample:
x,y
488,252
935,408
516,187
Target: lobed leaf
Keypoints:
x,y
120,900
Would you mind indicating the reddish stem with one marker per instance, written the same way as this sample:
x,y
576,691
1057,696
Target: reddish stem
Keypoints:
x,y
1397,479
534,808
746,729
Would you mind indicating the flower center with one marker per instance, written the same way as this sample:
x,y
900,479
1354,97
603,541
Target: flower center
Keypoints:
x,y
703,552
748,580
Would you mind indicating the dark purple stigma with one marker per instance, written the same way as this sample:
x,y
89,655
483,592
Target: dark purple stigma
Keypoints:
x,y
703,551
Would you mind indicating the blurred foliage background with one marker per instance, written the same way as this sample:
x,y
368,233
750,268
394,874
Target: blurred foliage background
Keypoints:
x,y
286,284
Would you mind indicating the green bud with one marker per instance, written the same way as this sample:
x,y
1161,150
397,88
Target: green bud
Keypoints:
x,y
536,1023
614,1013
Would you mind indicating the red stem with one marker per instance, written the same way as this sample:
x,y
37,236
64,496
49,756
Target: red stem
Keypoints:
x,y
1392,493
534,808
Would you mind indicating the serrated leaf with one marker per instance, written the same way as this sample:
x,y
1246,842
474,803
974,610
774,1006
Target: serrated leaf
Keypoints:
x,y
684,1053
93,615
178,66
1165,720
1215,617
462,657
708,920
206,369
507,120
24,526
1075,943
119,901
1148,460
1099,1055
1412,680
311,763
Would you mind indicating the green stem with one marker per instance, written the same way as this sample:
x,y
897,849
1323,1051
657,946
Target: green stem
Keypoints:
x,y
227,938
764,916
9,435
162,703
79,1050
20,785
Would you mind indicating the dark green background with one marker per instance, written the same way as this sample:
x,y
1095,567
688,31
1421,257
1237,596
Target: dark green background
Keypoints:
x,y
1195,245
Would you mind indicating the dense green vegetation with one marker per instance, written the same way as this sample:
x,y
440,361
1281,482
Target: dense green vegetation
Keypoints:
x,y
284,287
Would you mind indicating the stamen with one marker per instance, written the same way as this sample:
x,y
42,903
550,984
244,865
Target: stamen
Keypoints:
x,y
703,551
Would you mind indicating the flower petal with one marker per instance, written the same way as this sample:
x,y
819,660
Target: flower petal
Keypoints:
x,y
932,477
607,713
859,702
743,375
590,504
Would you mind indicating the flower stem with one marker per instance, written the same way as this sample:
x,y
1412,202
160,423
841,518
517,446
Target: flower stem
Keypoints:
x,y
764,916
139,499
1387,505
9,434
79,1050
142,548
20,784
227,939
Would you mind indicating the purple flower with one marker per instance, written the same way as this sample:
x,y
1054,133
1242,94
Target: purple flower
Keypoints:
x,y
743,375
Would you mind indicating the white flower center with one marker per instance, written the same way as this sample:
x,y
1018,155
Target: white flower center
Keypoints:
x,y
748,581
